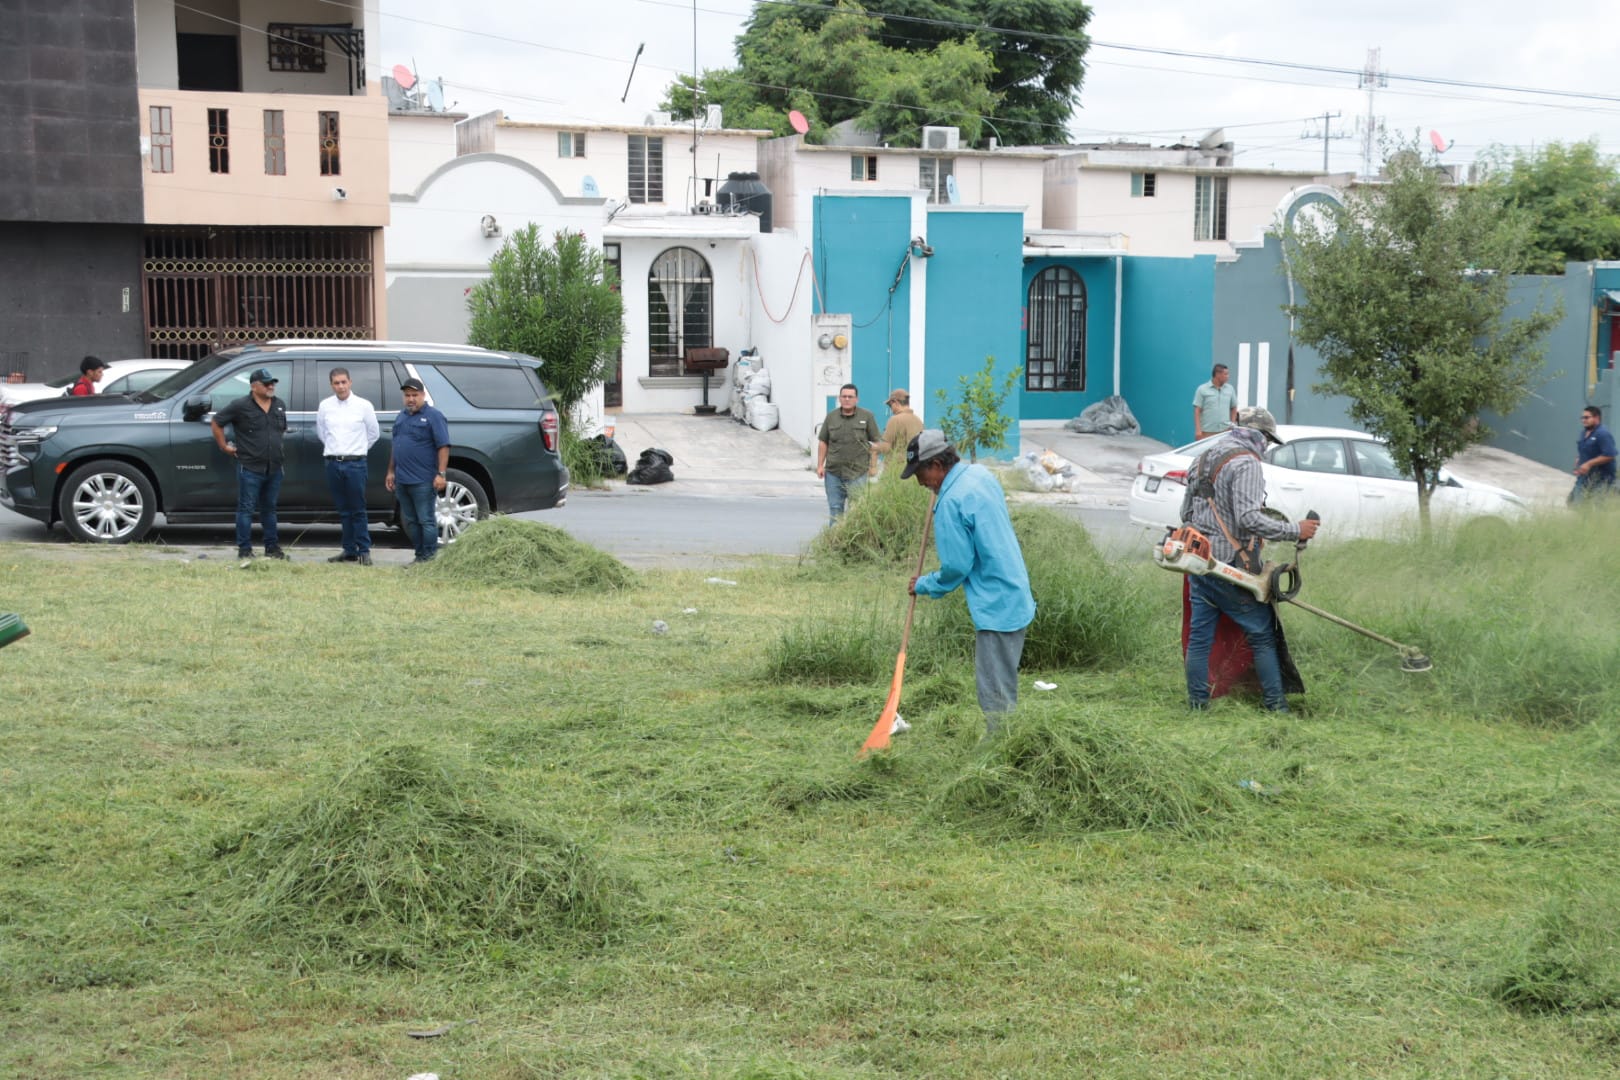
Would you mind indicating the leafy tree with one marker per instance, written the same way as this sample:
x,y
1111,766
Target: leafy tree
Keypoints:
x,y
917,62
1571,195
975,421
1403,289
559,303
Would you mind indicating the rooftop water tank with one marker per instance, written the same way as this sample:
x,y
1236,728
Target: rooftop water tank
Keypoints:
x,y
744,193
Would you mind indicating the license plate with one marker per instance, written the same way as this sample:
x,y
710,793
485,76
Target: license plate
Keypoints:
x,y
1152,484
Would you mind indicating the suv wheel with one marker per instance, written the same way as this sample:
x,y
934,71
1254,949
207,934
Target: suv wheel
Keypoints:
x,y
462,503
107,502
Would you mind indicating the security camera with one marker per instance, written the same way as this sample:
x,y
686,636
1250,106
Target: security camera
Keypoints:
x,y
339,194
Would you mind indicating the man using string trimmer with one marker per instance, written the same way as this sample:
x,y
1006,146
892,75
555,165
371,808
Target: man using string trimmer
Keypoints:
x,y
1225,501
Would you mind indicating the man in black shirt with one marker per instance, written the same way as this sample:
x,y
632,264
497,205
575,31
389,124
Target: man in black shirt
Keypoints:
x,y
257,422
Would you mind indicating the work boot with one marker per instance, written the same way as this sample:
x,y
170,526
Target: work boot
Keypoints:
x,y
344,558
364,560
274,553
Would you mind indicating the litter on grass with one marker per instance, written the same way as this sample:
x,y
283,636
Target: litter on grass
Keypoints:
x,y
1039,685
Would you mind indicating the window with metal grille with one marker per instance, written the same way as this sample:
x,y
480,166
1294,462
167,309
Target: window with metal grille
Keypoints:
x,y
275,143
219,140
1055,358
162,156
570,144
1209,208
863,166
680,304
932,174
330,163
646,168
292,49
1144,185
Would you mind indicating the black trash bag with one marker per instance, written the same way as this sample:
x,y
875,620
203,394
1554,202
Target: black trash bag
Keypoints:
x,y
610,459
652,467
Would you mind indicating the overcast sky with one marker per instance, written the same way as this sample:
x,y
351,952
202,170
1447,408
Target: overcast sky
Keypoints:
x,y
554,60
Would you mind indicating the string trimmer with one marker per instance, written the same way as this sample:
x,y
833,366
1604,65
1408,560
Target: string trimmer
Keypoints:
x,y
1187,551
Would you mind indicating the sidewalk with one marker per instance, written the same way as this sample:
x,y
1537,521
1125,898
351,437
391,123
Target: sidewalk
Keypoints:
x,y
716,456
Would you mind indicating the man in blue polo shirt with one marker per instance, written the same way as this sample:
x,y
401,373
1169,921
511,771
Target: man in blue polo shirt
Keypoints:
x,y
978,553
416,465
1594,457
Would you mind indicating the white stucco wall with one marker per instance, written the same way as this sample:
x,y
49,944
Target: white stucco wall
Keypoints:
x,y
418,143
782,328
1098,198
796,171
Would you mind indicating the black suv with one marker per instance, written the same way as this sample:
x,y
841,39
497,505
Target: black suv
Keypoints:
x,y
106,465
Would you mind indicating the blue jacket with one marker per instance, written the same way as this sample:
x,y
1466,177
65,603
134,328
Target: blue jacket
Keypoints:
x,y
978,551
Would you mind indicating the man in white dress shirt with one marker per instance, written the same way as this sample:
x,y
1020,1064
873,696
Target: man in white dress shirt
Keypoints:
x,y
347,426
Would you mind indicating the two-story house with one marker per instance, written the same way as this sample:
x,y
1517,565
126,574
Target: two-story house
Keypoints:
x,y
263,147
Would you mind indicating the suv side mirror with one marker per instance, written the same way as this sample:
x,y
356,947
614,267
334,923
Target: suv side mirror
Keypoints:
x,y
196,408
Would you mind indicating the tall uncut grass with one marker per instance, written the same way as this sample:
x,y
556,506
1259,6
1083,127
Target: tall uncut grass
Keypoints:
x,y
882,526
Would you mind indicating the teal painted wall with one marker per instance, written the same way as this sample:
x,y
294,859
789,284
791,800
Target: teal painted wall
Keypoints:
x,y
1166,327
1544,427
859,243
974,288
1098,276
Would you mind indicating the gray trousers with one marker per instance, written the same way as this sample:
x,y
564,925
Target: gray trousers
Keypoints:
x,y
995,671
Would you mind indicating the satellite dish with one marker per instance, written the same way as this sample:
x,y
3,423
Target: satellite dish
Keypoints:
x,y
952,194
588,188
1440,145
435,96
404,77
797,121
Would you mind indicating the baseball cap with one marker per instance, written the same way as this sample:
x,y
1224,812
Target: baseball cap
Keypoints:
x,y
1261,420
929,444
263,375
899,397
413,384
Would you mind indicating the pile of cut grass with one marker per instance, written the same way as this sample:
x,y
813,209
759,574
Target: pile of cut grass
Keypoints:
x,y
882,525
1072,774
402,856
1090,613
503,552
1570,962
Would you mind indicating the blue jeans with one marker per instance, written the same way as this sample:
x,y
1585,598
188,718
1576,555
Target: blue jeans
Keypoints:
x,y
418,510
1211,598
256,493
347,479
1589,485
838,492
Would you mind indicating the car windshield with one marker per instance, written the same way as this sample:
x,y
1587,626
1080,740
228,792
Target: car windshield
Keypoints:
x,y
183,378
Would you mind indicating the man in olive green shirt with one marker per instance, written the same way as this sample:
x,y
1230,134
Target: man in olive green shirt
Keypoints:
x,y
1214,404
844,450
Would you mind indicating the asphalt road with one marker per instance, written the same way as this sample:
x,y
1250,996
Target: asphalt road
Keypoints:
x,y
645,528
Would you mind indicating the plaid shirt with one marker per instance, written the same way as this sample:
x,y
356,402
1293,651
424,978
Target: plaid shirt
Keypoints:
x,y
1240,499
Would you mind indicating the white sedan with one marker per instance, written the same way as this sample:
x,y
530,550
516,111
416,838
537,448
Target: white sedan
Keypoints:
x,y
121,377
1346,476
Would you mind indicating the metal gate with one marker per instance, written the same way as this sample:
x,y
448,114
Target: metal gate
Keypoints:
x,y
203,289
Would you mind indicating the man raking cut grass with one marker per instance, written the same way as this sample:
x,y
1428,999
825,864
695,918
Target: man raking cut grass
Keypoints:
x,y
979,554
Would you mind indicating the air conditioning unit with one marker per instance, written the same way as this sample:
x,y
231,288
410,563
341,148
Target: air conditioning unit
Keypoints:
x,y
941,138
657,119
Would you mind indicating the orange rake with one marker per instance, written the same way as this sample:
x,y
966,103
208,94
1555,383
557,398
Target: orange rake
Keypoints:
x,y
879,739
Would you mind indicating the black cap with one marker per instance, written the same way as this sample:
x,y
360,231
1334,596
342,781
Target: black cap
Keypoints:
x,y
929,444
263,375
413,384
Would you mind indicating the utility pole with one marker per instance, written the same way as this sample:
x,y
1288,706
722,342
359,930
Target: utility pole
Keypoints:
x,y
1327,120
1372,80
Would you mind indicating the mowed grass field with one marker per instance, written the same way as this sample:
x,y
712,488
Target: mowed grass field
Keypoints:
x,y
267,822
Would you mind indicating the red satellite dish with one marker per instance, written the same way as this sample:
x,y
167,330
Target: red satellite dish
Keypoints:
x,y
798,122
404,77
1439,144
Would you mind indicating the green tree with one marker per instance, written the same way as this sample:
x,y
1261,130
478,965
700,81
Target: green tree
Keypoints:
x,y
559,303
976,420
1403,292
917,62
1571,196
